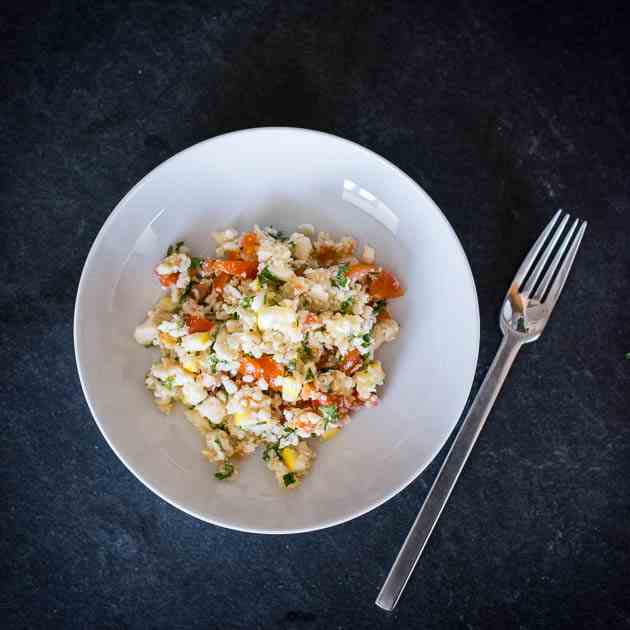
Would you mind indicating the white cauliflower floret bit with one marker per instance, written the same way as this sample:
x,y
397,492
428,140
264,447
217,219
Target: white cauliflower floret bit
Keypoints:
x,y
212,409
367,380
302,246
193,394
368,254
385,330
219,445
146,333
225,236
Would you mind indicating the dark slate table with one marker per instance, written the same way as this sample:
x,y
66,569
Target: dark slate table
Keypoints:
x,y
502,116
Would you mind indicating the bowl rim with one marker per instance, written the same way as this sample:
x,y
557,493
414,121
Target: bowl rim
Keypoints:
x,y
77,321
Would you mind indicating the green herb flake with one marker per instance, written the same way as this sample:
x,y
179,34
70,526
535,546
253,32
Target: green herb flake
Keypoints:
x,y
346,306
169,382
366,340
288,479
309,375
266,278
379,306
340,279
330,414
212,362
305,352
234,315
195,262
226,471
269,449
292,365
246,302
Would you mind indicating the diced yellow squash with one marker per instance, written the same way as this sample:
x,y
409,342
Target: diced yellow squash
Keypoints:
x,y
242,418
168,341
196,342
289,457
191,364
327,435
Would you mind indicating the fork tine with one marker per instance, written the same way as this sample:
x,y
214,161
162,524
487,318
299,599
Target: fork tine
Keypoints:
x,y
561,278
533,252
540,265
549,274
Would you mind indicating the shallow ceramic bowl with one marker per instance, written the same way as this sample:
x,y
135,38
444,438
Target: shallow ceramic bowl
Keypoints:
x,y
281,177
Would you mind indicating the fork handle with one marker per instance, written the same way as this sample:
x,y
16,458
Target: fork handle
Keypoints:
x,y
449,473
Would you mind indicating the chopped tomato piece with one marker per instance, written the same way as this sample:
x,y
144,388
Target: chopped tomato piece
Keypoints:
x,y
249,245
220,281
250,367
245,268
168,280
198,324
385,286
311,318
351,362
271,370
232,254
264,367
359,270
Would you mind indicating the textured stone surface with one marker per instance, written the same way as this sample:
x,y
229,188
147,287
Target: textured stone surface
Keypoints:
x,y
503,116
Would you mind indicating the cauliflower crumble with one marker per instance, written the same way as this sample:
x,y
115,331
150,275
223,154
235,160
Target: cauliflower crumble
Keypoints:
x,y
270,344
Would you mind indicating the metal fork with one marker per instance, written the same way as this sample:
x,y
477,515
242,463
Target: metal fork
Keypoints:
x,y
526,310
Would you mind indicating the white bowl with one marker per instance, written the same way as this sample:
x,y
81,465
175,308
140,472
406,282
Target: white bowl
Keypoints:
x,y
281,177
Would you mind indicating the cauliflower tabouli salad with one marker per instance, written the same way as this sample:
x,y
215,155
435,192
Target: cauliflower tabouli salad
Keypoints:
x,y
269,344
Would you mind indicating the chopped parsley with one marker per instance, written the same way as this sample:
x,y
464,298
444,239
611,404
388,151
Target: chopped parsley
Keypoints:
x,y
212,362
330,414
173,249
366,340
268,450
226,471
234,315
246,302
346,306
292,365
281,236
309,375
288,479
169,382
266,278
195,262
340,279
379,306
305,352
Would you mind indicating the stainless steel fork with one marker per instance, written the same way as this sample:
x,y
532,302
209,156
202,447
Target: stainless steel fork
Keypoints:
x,y
524,315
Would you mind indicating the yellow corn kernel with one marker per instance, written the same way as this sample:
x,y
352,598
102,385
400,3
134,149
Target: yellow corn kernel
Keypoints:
x,y
327,435
289,457
191,364
167,340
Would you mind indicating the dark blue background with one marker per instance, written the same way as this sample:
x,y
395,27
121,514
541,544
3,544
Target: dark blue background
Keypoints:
x,y
502,115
